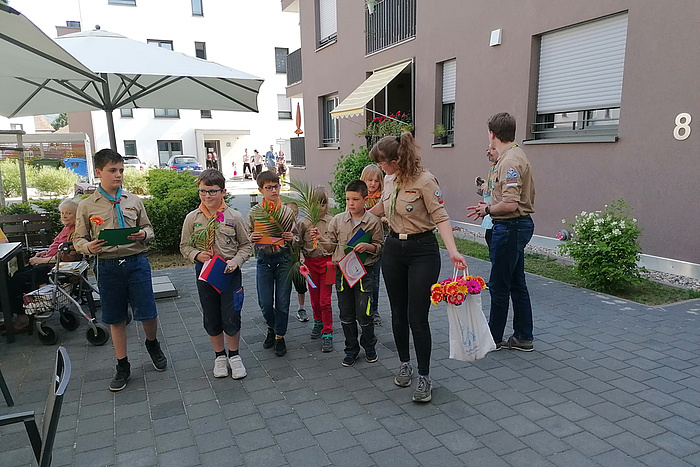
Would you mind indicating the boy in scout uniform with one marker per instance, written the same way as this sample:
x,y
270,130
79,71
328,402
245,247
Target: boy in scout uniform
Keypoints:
x,y
512,203
221,310
123,272
354,302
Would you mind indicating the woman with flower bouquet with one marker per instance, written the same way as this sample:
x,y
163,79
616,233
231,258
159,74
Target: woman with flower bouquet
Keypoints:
x,y
217,229
412,202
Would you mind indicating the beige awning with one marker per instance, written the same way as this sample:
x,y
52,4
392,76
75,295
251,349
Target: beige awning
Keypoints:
x,y
355,103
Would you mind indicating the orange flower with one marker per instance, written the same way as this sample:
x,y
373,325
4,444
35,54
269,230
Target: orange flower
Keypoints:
x,y
436,297
451,288
437,288
97,220
481,281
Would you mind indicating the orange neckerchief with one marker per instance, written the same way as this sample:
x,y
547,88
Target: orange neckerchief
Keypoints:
x,y
205,211
270,206
373,199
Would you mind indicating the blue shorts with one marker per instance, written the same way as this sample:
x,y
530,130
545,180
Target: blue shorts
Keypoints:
x,y
221,312
124,281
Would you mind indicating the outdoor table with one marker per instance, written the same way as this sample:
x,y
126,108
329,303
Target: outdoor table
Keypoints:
x,y
7,252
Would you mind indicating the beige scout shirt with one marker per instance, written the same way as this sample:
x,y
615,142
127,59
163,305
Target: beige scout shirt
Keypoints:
x,y
97,205
513,183
303,227
342,228
419,204
231,240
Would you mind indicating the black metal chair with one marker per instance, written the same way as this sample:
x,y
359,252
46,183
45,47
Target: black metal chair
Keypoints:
x,y
42,443
6,391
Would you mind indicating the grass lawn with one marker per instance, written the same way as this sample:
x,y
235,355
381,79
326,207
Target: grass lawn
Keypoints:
x,y
648,292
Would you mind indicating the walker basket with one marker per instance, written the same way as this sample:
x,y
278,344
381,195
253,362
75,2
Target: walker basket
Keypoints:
x,y
46,300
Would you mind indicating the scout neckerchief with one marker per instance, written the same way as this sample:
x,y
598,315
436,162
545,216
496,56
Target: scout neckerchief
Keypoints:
x,y
117,206
490,178
208,215
392,200
372,199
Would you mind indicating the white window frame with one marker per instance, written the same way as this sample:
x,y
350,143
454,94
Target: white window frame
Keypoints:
x,y
330,132
284,107
449,96
327,21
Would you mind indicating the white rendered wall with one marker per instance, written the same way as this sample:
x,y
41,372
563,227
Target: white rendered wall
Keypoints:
x,y
241,35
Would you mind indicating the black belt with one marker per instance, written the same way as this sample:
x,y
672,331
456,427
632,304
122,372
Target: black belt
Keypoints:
x,y
510,219
417,236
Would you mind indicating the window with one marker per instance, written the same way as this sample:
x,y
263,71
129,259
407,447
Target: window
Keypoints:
x,y
205,114
391,22
164,44
122,2
449,86
130,147
197,8
166,113
327,22
330,136
200,50
126,113
73,24
580,81
281,59
167,149
16,127
284,107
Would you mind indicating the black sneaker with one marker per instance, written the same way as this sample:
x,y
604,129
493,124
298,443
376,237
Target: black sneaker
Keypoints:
x,y
516,344
349,359
301,315
270,339
119,381
316,330
280,346
501,345
371,356
160,363
377,320
327,345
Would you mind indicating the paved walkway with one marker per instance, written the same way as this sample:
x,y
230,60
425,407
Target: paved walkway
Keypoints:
x,y
610,383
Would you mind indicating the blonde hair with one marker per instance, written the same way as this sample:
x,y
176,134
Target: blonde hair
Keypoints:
x,y
372,171
402,149
320,194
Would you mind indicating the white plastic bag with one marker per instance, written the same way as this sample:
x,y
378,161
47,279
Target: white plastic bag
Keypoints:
x,y
470,337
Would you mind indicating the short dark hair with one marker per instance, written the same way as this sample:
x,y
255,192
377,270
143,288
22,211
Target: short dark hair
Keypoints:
x,y
212,177
105,156
267,177
358,186
503,126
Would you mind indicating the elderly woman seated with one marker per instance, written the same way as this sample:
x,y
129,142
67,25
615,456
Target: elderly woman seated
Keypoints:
x,y
28,279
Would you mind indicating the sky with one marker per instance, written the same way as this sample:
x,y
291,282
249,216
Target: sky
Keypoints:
x,y
47,14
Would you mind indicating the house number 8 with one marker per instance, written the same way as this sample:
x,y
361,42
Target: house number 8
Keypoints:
x,y
682,129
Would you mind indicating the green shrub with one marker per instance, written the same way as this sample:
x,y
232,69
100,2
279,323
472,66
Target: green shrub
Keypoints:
x,y
173,196
10,177
51,206
136,181
55,182
17,208
606,248
348,168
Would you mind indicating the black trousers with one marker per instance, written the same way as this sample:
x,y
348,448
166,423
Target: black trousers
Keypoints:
x,y
410,268
354,306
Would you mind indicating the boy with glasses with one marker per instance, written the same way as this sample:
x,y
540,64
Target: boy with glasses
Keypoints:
x,y
228,238
271,227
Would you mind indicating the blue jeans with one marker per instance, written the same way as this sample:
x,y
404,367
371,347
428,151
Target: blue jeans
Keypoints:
x,y
274,288
123,281
507,281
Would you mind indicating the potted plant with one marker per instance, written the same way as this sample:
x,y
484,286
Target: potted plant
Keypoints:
x,y
440,133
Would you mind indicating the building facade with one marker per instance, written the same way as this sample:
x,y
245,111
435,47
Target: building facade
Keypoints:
x,y
604,93
254,37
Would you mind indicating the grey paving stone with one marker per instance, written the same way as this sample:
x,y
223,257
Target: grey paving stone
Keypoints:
x,y
93,441
138,458
663,458
294,440
310,456
214,441
675,444
610,411
104,456
394,457
418,441
681,426
322,423
176,440
181,457
360,423
631,444
351,457
207,424
254,440
483,456
377,440
588,444
617,458
311,409
271,456
559,426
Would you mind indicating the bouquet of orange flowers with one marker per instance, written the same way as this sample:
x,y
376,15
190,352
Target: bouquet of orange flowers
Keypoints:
x,y
454,290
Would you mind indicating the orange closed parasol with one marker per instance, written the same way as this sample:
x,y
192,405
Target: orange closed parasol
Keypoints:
x,y
298,130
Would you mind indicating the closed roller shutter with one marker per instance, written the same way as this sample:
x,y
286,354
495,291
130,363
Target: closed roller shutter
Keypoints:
x,y
449,81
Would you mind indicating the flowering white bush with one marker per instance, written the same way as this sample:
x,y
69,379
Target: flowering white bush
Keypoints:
x,y
605,246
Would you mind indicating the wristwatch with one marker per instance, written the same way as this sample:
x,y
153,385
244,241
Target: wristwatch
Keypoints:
x,y
488,209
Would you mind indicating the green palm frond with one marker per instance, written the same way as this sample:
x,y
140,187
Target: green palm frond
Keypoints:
x,y
307,199
274,221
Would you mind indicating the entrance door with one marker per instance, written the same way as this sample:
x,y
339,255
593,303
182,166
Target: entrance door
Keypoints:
x,y
212,149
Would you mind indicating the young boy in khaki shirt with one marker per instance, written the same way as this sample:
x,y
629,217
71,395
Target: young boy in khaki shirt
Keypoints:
x,y
123,272
354,302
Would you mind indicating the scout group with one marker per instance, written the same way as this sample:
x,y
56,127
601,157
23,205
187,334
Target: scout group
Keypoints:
x,y
390,221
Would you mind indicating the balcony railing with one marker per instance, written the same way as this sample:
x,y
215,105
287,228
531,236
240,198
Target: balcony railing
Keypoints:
x,y
298,152
391,22
294,67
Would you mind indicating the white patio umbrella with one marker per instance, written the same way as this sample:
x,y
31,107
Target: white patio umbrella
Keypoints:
x,y
135,74
26,52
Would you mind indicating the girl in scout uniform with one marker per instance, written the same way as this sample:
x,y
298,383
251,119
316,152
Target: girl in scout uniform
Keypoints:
x,y
413,205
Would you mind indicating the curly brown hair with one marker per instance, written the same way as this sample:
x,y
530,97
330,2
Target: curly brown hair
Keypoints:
x,y
402,149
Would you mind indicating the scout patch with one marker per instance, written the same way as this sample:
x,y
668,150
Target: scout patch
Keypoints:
x,y
409,207
511,177
198,224
130,209
229,222
438,195
410,192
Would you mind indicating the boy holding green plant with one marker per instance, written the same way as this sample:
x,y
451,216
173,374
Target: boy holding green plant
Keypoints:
x,y
271,225
217,229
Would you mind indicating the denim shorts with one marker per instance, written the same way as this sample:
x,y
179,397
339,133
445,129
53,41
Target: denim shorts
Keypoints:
x,y
124,281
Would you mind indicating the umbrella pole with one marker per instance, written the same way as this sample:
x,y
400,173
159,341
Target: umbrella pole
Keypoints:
x,y
110,130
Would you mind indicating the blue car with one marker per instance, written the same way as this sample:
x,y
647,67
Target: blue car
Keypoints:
x,y
186,163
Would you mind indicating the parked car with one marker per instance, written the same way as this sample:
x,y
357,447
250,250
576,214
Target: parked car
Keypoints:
x,y
187,163
135,162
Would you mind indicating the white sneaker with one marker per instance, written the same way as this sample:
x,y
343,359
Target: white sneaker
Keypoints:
x,y
237,368
220,367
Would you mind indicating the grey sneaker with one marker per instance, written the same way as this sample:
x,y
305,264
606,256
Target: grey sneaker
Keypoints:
x,y
301,315
238,370
424,390
327,344
377,320
516,344
316,330
403,378
221,367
